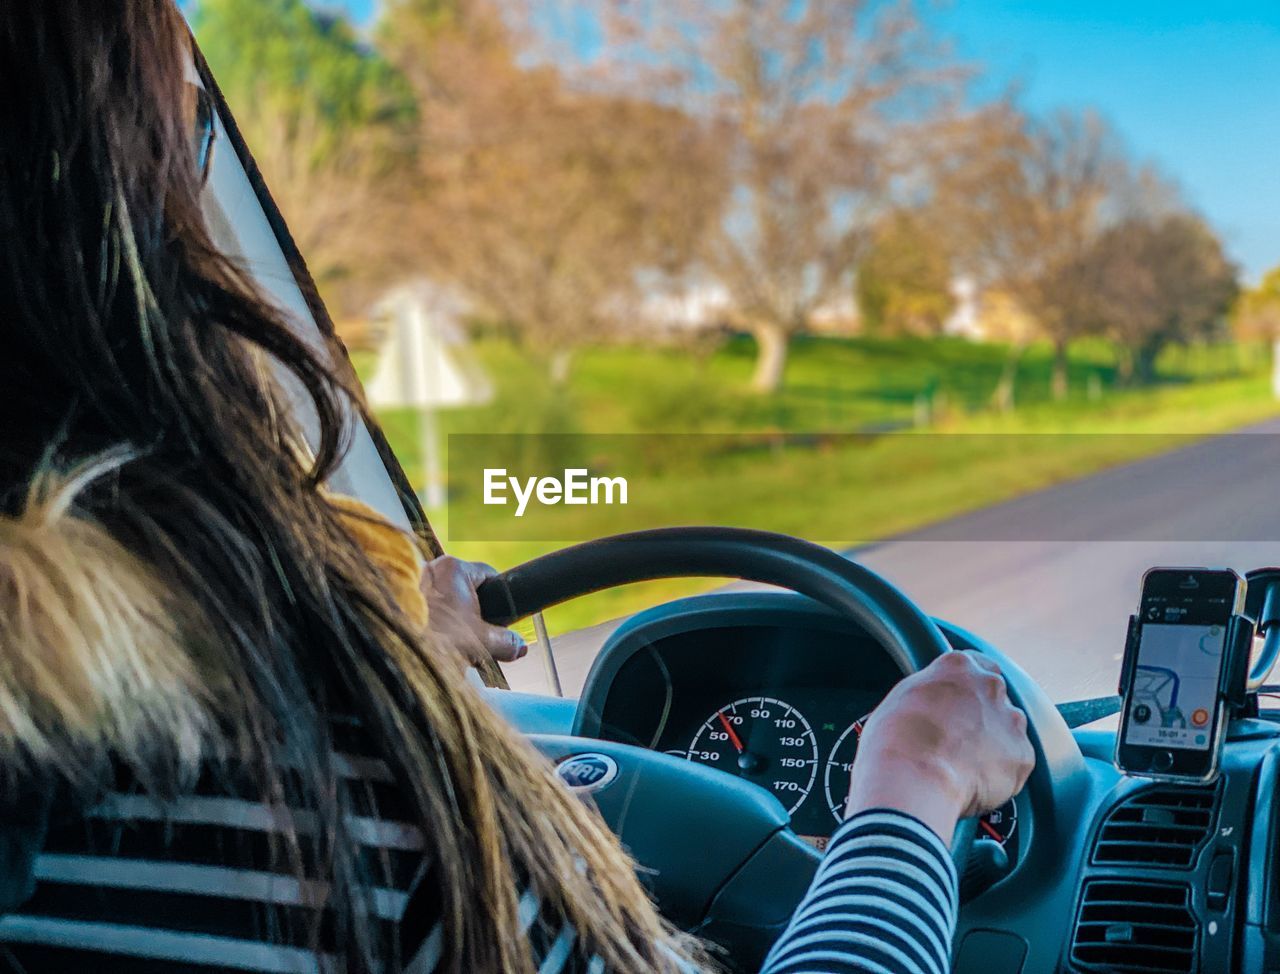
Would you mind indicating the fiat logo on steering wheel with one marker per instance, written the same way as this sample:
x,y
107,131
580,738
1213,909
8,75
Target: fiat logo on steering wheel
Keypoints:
x,y
587,772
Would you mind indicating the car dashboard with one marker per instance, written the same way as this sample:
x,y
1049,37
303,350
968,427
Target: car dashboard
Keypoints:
x,y
783,706
1100,872
780,706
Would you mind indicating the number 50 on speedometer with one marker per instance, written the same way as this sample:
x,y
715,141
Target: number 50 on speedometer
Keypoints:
x,y
763,740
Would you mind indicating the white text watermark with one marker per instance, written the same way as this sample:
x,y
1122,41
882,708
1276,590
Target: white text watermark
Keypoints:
x,y
576,487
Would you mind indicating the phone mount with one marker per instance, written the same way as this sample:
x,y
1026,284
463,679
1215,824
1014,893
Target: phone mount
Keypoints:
x,y
1233,686
1262,605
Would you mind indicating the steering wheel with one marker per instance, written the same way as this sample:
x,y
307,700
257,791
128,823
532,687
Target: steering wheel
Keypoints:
x,y
728,847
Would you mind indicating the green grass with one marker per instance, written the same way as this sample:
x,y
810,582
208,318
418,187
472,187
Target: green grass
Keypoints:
x,y
837,491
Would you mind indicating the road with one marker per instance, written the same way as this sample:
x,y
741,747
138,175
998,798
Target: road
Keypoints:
x,y
1051,577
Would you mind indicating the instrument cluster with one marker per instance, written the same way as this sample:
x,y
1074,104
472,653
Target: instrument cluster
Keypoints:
x,y
779,706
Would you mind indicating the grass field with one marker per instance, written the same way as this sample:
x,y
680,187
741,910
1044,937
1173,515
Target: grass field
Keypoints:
x,y
833,493
832,384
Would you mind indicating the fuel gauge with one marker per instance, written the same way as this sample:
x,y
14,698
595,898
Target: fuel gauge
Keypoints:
x,y
999,824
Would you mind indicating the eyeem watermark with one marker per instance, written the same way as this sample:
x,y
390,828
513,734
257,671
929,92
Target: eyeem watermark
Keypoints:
x,y
577,487
853,488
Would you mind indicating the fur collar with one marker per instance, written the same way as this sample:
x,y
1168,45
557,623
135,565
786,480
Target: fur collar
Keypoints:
x,y
95,657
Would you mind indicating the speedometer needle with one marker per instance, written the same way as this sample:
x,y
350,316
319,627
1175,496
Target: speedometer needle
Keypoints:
x,y
733,736
986,827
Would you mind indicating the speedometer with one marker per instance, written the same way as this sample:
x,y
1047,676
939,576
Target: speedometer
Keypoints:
x,y
840,767
763,740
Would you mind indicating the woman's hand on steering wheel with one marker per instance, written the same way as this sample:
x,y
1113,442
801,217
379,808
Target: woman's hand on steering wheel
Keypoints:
x,y
453,611
945,744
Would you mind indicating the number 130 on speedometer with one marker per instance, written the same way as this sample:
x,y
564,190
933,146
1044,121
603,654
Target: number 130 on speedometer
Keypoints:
x,y
763,740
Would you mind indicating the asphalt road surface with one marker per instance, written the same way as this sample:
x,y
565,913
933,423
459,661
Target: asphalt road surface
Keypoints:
x,y
1050,578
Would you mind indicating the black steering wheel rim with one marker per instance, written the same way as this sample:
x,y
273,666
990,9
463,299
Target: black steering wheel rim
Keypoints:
x,y
853,590
909,636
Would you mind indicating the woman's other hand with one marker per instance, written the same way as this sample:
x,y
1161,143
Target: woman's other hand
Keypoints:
x,y
453,612
945,744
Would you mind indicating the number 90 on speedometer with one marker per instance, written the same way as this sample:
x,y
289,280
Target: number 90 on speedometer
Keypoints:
x,y
763,740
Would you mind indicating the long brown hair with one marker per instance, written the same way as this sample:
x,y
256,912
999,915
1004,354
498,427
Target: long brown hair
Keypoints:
x,y
142,442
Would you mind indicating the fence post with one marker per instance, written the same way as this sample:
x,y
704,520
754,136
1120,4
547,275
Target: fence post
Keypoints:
x,y
1095,387
920,409
1275,368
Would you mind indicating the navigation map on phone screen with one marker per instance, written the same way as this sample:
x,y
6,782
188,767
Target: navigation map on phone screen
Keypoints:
x,y
1175,685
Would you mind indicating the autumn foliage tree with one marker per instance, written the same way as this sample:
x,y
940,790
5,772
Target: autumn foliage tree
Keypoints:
x,y
1027,201
326,118
1256,317
822,107
544,203
906,277
1157,282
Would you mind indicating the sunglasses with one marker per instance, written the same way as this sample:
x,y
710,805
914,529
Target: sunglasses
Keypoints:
x,y
205,133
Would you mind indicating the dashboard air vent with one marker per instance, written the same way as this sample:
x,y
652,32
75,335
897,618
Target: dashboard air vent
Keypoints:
x,y
1135,927
1159,826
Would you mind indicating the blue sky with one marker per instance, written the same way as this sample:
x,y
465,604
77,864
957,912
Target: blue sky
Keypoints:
x,y
1192,84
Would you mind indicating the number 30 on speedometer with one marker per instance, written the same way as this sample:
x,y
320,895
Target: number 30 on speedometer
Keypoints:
x,y
763,740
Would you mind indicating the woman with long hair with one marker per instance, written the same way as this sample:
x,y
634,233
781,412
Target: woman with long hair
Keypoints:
x,y
257,757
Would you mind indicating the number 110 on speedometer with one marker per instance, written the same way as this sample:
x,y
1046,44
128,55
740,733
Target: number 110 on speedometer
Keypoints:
x,y
763,740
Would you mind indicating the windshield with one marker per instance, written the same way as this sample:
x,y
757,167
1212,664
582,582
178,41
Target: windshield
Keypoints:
x,y
985,297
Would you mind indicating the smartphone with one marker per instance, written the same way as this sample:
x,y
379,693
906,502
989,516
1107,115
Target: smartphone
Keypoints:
x,y
1172,723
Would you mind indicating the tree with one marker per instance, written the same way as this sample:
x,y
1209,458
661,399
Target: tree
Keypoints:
x,y
546,204
1256,316
905,280
1159,281
1028,200
325,118
821,105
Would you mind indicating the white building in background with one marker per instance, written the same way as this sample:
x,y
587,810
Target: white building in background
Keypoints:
x,y
840,316
688,308
684,308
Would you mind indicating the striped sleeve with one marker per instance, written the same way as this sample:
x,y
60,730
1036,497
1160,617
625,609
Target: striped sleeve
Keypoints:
x,y
883,901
